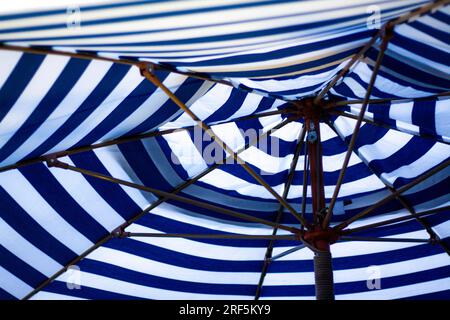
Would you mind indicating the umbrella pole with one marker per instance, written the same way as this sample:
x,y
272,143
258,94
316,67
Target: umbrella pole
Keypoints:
x,y
323,275
319,238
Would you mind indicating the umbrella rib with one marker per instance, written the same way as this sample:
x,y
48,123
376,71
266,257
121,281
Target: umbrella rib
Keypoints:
x,y
152,78
399,198
396,220
59,164
347,67
351,145
207,236
83,255
127,139
404,202
290,179
390,24
386,100
375,239
130,62
390,197
383,125
287,252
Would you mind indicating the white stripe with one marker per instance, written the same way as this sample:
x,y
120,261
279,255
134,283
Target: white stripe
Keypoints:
x,y
8,61
149,107
164,270
415,34
356,248
87,197
80,91
204,107
231,135
438,153
182,215
135,290
13,285
27,252
442,117
193,24
273,85
361,274
114,162
399,292
199,249
383,84
120,92
31,96
401,111
289,132
250,104
386,146
443,229
37,207
224,180
184,152
45,295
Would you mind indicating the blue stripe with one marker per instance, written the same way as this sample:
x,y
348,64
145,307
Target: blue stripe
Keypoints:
x,y
28,228
20,269
60,88
95,98
163,255
152,281
18,80
112,193
61,201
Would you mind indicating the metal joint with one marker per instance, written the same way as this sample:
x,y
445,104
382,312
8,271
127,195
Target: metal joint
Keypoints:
x,y
434,239
147,70
120,233
53,162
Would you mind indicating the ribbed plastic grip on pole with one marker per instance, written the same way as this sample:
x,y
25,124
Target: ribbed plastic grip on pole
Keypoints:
x,y
323,272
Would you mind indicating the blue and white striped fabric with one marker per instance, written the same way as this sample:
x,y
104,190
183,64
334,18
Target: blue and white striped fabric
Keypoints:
x,y
50,103
415,64
305,40
421,117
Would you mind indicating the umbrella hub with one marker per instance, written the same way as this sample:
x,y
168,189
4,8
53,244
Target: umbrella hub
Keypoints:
x,y
308,109
321,239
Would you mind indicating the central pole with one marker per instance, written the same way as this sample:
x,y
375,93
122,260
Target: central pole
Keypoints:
x,y
320,238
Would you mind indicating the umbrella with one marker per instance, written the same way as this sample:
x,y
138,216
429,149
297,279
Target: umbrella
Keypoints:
x,y
228,150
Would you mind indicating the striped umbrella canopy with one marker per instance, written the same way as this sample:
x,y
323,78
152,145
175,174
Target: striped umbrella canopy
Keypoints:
x,y
225,150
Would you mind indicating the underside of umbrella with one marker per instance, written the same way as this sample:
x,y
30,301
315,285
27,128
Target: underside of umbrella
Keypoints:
x,y
229,150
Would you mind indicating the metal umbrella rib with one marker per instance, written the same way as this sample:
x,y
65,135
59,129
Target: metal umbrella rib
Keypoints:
x,y
393,195
352,142
290,179
399,198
